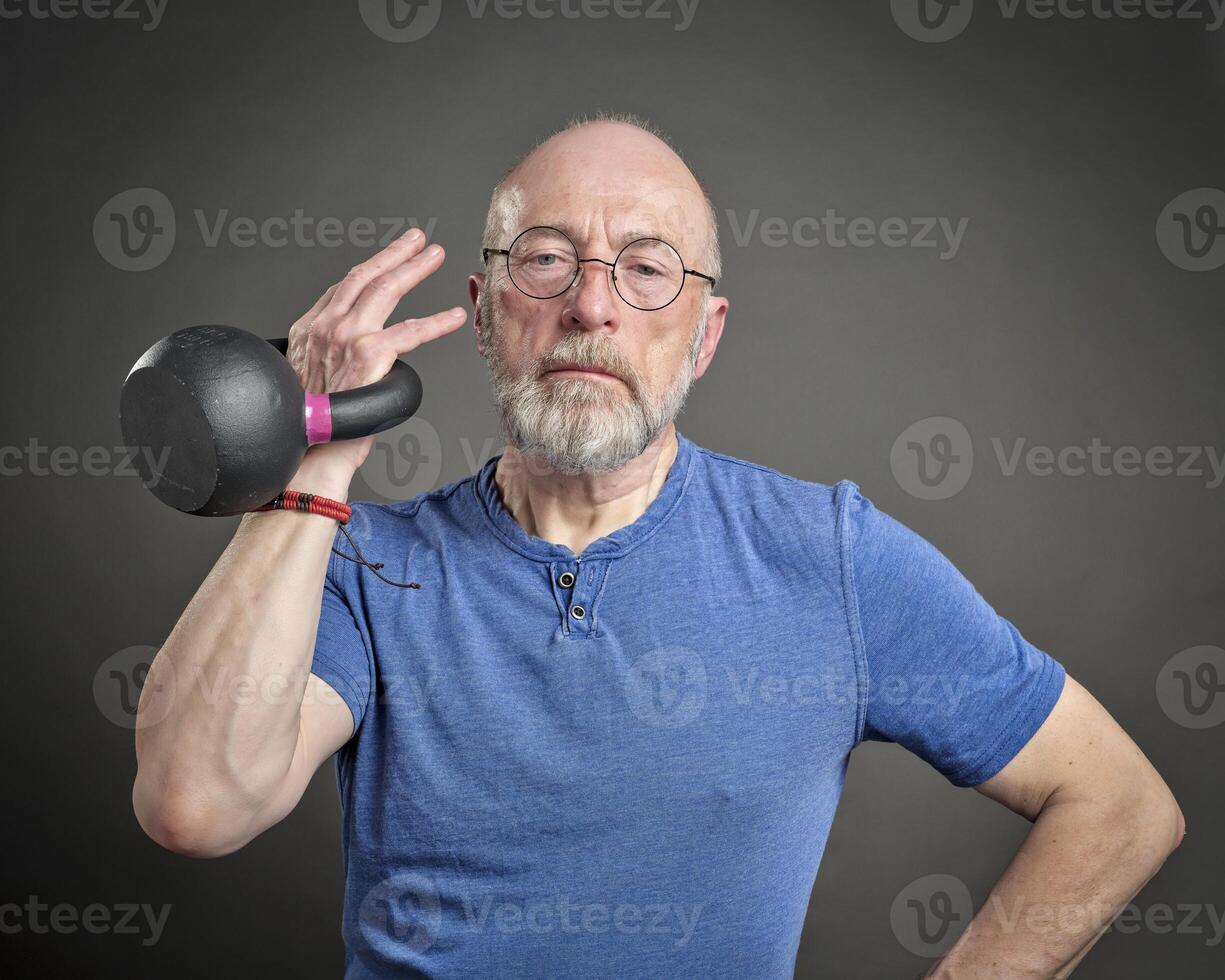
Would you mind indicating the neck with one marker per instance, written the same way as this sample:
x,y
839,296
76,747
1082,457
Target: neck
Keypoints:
x,y
575,509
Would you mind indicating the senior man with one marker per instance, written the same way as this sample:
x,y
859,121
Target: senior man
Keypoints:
x,y
607,733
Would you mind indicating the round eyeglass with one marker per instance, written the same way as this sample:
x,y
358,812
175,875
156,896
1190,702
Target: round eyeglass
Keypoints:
x,y
542,262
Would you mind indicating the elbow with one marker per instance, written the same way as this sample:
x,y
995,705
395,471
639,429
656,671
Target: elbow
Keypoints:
x,y
1159,823
1165,816
1180,825
186,840
1142,821
182,826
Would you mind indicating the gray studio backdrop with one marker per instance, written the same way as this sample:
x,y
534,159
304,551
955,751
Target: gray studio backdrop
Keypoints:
x,y
975,262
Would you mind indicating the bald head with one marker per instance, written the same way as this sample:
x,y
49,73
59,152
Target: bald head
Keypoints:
x,y
608,179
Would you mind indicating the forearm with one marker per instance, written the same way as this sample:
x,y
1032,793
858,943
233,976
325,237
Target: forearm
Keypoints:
x,y
219,715
1081,863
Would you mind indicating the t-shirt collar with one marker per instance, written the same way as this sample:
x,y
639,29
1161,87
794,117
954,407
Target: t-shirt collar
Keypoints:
x,y
613,545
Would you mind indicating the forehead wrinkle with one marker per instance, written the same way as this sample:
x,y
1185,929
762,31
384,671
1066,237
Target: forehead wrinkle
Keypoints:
x,y
558,184
624,238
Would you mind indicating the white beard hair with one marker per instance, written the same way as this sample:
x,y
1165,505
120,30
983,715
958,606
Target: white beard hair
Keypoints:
x,y
573,425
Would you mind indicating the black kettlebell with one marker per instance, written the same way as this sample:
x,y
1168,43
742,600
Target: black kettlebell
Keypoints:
x,y
225,418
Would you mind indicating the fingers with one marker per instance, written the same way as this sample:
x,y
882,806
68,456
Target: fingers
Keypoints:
x,y
341,342
315,310
408,335
299,337
404,248
301,327
370,356
385,290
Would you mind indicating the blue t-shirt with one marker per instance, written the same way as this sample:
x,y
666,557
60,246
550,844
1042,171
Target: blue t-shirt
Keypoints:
x,y
626,764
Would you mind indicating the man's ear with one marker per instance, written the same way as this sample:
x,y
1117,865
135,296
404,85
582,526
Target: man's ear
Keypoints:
x,y
716,316
476,282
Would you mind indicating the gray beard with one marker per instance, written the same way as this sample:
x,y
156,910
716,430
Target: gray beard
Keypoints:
x,y
574,425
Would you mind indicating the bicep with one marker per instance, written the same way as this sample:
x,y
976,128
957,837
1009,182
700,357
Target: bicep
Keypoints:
x,y
1079,753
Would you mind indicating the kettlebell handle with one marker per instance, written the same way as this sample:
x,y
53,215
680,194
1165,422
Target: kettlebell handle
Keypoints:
x,y
358,412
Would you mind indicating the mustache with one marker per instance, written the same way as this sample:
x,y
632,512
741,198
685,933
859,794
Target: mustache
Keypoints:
x,y
597,357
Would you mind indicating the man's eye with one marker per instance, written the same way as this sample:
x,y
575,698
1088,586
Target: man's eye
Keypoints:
x,y
545,260
644,270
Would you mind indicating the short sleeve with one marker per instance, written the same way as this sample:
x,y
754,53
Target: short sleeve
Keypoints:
x,y
946,676
341,657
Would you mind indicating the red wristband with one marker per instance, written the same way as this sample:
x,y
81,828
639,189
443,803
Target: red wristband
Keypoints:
x,y
309,503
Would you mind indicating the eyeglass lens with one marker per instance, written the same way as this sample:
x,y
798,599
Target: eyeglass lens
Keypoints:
x,y
648,273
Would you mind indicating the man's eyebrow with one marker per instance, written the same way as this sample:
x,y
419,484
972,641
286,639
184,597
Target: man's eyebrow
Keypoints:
x,y
631,236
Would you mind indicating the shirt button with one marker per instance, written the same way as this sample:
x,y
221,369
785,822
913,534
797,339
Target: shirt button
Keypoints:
x,y
578,612
565,579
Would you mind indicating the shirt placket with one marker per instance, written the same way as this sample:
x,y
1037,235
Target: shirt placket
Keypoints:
x,y
577,584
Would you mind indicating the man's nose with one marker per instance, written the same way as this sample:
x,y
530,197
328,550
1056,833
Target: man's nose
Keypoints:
x,y
591,302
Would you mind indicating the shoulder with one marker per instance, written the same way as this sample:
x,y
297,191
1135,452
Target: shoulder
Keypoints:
x,y
776,506
765,492
426,513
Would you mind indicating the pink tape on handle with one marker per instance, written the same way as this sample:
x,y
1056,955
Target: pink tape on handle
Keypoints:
x,y
318,418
